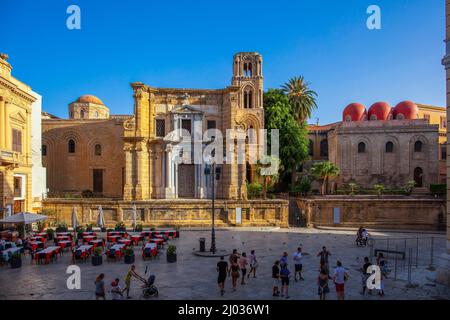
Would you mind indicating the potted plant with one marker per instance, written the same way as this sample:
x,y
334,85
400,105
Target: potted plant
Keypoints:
x,y
80,231
16,260
129,256
61,227
50,234
97,257
172,254
120,226
138,228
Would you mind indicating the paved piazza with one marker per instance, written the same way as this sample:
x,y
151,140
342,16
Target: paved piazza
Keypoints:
x,y
195,277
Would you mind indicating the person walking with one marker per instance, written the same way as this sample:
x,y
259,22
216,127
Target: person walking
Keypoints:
x,y
234,270
243,266
233,256
130,274
100,287
297,256
322,282
284,275
339,278
276,278
324,255
365,276
253,264
222,269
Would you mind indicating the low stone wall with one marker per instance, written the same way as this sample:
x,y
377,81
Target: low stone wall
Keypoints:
x,y
386,212
165,213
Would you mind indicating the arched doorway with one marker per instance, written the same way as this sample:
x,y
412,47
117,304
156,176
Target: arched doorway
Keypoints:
x,y
418,177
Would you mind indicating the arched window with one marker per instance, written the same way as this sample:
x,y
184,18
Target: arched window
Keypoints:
x,y
361,147
348,118
71,146
98,150
418,146
96,114
248,98
418,177
245,70
44,150
311,148
324,148
389,147
82,114
250,69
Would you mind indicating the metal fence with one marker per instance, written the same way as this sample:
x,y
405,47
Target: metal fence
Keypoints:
x,y
405,256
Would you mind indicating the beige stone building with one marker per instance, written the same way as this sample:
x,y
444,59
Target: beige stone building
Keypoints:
x,y
141,156
16,99
389,146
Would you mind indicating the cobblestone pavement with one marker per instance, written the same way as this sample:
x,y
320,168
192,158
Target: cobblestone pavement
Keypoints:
x,y
193,277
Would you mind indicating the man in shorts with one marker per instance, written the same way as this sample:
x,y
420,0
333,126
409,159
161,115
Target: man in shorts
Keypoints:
x,y
276,278
222,269
298,264
340,276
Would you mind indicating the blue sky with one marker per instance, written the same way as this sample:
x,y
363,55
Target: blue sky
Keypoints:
x,y
191,44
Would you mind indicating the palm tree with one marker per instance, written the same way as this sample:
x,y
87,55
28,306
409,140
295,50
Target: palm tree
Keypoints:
x,y
268,168
301,97
324,171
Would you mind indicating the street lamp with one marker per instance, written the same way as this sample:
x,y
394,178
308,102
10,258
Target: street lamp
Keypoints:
x,y
215,175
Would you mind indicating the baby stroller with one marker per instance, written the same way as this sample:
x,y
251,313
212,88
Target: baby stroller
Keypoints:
x,y
149,289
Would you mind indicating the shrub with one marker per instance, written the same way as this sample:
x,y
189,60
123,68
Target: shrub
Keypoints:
x,y
438,188
129,252
254,190
379,189
89,227
302,186
87,193
61,227
120,226
139,227
98,251
171,250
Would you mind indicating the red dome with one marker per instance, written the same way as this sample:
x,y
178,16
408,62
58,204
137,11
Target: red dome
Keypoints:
x,y
406,110
380,111
354,112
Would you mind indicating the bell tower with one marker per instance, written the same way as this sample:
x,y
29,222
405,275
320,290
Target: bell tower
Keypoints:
x,y
248,76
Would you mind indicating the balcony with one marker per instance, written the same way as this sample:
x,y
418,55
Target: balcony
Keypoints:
x,y
9,157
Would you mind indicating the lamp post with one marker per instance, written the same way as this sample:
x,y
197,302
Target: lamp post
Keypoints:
x,y
215,175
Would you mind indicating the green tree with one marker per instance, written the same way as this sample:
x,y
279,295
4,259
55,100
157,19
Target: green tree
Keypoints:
x,y
293,139
268,169
301,97
324,171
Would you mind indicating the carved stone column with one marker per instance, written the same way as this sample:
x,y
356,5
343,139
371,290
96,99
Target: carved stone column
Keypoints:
x,y
3,121
129,169
170,190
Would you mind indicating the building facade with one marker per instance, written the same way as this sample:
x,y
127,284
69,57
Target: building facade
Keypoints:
x,y
145,155
384,145
16,100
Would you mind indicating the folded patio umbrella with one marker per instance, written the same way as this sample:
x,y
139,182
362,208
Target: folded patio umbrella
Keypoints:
x,y
101,218
24,217
74,219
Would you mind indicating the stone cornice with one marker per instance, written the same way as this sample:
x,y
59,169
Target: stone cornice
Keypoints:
x,y
178,91
15,89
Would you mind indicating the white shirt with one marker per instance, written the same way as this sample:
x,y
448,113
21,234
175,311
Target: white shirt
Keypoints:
x,y
339,273
297,257
115,291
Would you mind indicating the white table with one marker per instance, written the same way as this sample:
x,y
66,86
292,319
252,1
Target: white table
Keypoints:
x,y
118,246
85,248
11,251
150,245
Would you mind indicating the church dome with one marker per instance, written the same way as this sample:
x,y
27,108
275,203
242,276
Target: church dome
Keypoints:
x,y
354,112
406,110
380,111
87,98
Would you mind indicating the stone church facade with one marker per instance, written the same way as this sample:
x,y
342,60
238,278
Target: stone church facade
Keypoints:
x,y
138,157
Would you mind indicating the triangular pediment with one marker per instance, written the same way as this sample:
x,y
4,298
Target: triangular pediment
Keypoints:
x,y
185,109
18,117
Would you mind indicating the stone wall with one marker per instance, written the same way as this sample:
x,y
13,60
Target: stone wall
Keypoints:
x,y
176,212
386,212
